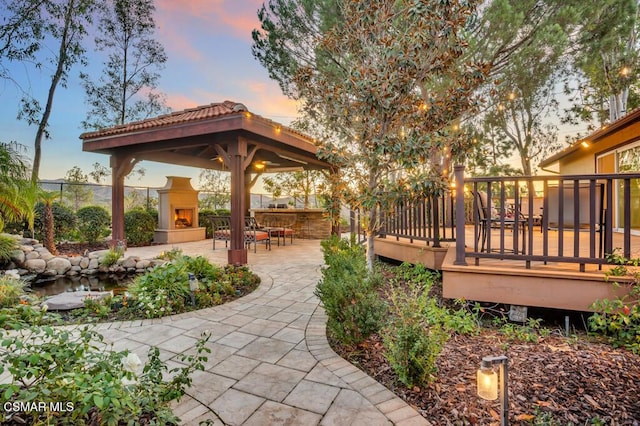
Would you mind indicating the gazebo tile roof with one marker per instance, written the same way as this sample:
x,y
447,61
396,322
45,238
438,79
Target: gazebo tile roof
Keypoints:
x,y
189,115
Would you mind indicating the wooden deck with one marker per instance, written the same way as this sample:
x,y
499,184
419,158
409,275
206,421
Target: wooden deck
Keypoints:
x,y
551,284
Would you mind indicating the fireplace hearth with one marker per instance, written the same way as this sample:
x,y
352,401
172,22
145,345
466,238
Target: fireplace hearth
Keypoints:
x,y
178,212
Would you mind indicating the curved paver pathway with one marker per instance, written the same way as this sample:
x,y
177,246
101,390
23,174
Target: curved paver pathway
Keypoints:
x,y
270,362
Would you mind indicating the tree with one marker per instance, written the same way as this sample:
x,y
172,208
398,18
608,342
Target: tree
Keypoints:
x,y
126,91
299,185
217,188
100,172
606,61
76,190
62,22
388,81
522,94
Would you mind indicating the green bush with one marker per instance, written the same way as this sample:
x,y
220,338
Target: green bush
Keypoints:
x,y
347,292
139,227
619,319
111,257
203,220
91,383
64,221
11,289
93,223
8,244
412,343
163,291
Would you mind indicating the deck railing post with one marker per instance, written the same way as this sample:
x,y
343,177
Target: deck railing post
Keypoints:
x,y
458,171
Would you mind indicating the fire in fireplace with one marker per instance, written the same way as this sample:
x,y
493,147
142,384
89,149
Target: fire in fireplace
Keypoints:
x,y
183,218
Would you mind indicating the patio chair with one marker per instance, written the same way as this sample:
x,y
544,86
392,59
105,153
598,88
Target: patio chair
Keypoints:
x,y
490,217
252,234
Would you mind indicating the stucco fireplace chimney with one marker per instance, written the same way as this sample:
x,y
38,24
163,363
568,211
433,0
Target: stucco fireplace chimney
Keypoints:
x,y
178,212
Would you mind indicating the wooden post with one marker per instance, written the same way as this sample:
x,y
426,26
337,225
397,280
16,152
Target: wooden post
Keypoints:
x,y
458,171
121,166
237,254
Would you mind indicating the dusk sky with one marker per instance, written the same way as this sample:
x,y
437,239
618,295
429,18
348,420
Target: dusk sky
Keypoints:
x,y
208,44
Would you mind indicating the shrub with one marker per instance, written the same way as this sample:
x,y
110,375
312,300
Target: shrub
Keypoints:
x,y
93,223
411,338
619,318
139,227
92,384
111,257
203,220
64,221
162,291
8,244
346,291
10,291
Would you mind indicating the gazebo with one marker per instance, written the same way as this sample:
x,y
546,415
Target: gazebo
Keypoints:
x,y
221,136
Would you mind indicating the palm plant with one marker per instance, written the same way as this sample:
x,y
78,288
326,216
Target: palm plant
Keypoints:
x,y
47,199
18,194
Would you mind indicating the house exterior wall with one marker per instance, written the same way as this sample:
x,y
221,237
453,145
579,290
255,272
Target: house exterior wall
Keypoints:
x,y
583,160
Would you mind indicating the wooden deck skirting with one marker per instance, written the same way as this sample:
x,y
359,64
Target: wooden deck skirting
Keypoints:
x,y
510,282
405,251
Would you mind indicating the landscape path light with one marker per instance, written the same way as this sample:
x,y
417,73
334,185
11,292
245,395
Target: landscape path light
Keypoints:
x,y
193,286
491,384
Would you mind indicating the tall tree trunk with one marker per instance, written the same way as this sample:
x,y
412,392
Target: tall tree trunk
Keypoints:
x,y
62,63
49,240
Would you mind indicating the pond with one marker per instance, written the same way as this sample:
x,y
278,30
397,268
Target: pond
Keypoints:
x,y
57,285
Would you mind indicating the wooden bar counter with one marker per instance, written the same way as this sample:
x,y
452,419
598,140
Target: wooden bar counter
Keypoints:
x,y
309,224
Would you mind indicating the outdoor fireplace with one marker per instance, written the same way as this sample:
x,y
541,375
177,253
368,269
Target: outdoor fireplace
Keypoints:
x,y
178,212
183,218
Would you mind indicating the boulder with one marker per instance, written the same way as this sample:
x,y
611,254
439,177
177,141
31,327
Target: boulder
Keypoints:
x,y
93,263
26,248
49,273
18,257
75,268
84,263
75,260
91,271
130,262
59,264
36,265
32,255
143,264
46,256
73,300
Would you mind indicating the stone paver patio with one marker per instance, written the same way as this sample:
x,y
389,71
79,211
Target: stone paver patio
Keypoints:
x,y
270,362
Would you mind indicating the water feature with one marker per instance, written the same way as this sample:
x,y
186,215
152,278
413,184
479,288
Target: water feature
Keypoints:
x,y
57,285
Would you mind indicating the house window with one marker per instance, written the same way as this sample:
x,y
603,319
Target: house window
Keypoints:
x,y
629,162
623,160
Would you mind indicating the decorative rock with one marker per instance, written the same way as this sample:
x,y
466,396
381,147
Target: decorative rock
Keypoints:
x,y
26,248
46,256
130,262
93,263
84,263
32,255
73,300
60,265
98,254
75,268
18,257
41,249
49,273
13,273
143,264
75,260
36,265
91,271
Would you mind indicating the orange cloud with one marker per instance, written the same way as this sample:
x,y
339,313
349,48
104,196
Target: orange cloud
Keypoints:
x,y
214,16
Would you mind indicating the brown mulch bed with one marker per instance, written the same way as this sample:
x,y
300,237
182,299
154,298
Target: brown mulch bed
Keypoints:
x,y
78,249
557,381
572,380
